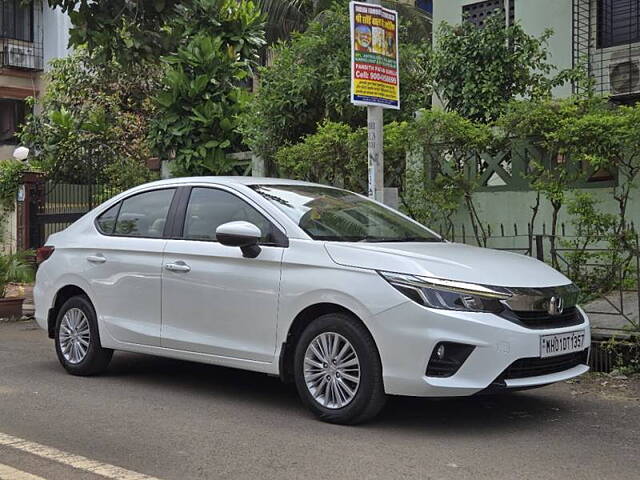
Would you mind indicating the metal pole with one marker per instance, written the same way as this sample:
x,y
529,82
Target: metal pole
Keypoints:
x,y
375,152
638,274
507,9
540,247
375,144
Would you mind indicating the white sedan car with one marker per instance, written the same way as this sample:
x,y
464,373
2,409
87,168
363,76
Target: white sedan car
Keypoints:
x,y
344,296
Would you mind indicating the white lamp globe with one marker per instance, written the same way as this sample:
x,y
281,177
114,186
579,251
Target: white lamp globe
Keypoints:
x,y
21,153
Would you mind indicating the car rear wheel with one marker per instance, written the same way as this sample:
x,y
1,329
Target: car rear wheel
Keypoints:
x,y
338,372
77,339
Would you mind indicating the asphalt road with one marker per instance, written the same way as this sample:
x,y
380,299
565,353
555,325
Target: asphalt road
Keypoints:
x,y
177,420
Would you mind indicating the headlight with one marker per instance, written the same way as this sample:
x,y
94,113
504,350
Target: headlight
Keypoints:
x,y
448,294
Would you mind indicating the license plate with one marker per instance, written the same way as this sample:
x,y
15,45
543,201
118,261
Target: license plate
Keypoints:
x,y
561,343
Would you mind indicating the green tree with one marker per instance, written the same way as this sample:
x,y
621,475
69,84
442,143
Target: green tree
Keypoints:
x,y
195,123
607,138
442,147
546,124
93,122
478,71
309,83
593,228
11,172
134,30
283,17
127,30
335,155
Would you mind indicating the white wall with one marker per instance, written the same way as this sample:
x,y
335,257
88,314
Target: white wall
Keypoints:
x,y
56,27
538,15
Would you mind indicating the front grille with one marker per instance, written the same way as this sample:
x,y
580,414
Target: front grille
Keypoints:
x,y
533,367
542,320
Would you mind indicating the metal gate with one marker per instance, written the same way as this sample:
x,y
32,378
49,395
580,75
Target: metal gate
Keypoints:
x,y
52,207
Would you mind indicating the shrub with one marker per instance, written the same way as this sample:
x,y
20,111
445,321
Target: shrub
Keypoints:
x,y
93,117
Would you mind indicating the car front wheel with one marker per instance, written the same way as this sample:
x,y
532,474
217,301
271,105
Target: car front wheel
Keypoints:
x,y
338,372
77,339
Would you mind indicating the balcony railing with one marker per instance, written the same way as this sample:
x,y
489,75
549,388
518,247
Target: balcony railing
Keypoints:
x,y
21,35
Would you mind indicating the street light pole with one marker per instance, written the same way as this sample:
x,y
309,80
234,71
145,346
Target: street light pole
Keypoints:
x,y
375,142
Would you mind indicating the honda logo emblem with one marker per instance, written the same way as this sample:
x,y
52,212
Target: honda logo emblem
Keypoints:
x,y
556,305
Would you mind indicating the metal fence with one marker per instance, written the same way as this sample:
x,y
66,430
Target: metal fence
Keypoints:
x,y
49,207
53,207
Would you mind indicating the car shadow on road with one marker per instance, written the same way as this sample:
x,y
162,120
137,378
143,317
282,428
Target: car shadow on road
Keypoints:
x,y
507,411
252,390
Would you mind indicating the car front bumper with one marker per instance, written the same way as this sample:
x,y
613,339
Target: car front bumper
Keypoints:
x,y
407,334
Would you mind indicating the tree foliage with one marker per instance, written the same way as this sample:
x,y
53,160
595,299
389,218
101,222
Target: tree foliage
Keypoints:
x,y
127,30
283,17
580,135
309,83
93,122
11,172
583,136
202,95
334,155
538,122
14,268
477,71
442,145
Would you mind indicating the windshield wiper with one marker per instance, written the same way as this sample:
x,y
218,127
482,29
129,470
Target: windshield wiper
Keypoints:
x,y
398,240
419,239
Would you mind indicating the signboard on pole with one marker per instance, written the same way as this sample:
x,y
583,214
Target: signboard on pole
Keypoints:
x,y
374,56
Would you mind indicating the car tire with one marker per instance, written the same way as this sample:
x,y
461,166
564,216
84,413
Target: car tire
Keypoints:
x,y
77,339
344,401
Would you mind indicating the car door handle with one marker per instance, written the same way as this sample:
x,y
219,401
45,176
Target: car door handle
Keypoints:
x,y
96,259
178,267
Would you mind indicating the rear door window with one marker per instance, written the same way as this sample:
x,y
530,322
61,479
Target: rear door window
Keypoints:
x,y
143,215
107,221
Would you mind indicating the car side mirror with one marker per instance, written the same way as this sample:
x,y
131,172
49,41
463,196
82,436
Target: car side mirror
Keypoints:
x,y
240,234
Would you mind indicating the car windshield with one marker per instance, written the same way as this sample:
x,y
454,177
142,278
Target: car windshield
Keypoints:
x,y
331,214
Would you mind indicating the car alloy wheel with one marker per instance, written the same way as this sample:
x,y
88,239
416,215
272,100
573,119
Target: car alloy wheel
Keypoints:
x,y
337,370
75,335
332,370
77,338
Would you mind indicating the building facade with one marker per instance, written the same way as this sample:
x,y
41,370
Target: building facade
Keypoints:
x,y
31,35
603,35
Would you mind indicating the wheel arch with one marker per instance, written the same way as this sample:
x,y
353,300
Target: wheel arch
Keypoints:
x,y
300,322
62,295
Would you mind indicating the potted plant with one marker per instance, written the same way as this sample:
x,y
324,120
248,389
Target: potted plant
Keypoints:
x,y
14,268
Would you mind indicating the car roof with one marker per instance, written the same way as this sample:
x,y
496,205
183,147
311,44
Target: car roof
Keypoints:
x,y
232,180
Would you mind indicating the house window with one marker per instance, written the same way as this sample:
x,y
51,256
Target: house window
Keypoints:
x,y
426,5
618,22
16,20
12,115
477,13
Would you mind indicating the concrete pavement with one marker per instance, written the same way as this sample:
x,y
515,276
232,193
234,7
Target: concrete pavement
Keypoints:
x,y
177,420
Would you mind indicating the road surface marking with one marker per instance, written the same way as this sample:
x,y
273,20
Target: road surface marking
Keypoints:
x,y
10,473
75,461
